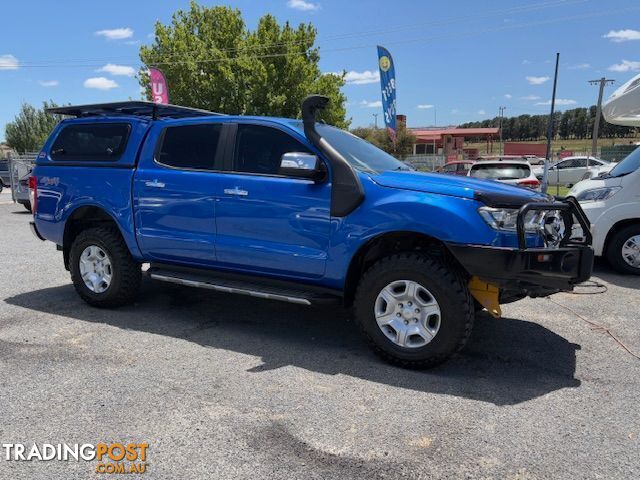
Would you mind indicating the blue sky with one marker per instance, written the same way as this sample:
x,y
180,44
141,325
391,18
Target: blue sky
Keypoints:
x,y
458,59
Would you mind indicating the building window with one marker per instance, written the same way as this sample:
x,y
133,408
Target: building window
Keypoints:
x,y
420,149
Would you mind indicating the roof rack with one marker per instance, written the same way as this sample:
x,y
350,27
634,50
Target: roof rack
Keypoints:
x,y
135,108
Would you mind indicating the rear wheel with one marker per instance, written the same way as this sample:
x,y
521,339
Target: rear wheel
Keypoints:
x,y
623,252
102,270
414,311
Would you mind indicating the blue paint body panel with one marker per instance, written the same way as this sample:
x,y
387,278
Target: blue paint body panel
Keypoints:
x,y
282,228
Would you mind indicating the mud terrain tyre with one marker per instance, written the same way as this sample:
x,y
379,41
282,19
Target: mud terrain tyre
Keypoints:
x,y
103,271
414,311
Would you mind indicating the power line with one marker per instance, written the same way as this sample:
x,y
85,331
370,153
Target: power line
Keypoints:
x,y
359,47
402,28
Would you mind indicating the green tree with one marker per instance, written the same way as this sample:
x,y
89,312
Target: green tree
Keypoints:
x,y
380,138
31,127
212,61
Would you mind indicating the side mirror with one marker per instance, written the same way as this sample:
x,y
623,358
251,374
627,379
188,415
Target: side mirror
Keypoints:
x,y
302,165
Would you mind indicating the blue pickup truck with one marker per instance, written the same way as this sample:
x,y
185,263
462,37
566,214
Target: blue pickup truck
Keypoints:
x,y
296,211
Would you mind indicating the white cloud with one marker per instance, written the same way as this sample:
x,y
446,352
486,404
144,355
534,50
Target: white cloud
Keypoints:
x,y
100,83
424,106
114,69
374,104
537,80
454,111
508,96
625,66
49,83
115,33
525,62
361,78
8,62
530,97
579,66
619,36
481,112
559,101
303,5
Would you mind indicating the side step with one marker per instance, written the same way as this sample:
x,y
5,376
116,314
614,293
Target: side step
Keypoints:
x,y
251,286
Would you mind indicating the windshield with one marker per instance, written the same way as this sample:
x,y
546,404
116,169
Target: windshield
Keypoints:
x,y
628,165
359,153
502,171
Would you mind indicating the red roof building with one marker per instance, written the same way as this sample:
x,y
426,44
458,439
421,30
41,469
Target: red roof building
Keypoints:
x,y
449,141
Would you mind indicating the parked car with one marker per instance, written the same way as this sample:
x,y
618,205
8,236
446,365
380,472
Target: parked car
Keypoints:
x,y
594,172
512,172
5,180
460,167
295,211
612,204
570,170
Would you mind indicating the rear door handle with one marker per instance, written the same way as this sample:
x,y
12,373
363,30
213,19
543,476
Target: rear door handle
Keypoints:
x,y
154,184
236,191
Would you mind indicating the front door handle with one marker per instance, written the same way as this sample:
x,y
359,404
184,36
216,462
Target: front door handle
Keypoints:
x,y
154,184
236,191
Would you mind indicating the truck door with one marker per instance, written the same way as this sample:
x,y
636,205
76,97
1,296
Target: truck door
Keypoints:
x,y
267,222
174,194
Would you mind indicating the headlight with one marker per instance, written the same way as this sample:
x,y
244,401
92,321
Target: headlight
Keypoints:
x,y
597,194
506,218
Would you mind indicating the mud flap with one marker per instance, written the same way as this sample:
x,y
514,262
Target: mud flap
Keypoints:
x,y
487,294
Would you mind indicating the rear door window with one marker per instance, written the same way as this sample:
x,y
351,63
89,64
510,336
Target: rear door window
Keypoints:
x,y
191,147
91,142
503,171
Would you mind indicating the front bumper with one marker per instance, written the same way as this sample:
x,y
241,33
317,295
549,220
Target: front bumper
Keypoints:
x,y
534,271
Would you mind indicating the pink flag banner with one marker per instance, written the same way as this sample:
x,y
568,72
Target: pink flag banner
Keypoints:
x,y
159,90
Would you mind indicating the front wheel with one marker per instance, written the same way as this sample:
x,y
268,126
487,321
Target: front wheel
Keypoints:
x,y
414,311
102,270
623,252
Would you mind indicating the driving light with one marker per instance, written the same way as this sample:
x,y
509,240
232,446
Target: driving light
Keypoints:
x,y
597,194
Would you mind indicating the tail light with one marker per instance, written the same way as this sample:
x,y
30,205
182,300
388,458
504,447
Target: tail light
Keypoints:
x,y
33,193
533,183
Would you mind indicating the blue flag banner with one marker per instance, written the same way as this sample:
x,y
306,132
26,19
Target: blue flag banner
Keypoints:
x,y
388,88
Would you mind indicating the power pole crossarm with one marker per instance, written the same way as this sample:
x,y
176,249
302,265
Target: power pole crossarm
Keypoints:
x,y
596,121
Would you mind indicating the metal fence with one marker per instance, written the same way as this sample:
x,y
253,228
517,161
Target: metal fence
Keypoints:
x,y
425,162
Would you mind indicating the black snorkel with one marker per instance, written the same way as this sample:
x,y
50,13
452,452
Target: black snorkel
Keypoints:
x,y
346,191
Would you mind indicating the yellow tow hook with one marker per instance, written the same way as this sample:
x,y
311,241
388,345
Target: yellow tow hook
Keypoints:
x,y
487,294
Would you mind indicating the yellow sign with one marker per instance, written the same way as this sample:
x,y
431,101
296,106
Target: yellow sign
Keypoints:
x,y
385,63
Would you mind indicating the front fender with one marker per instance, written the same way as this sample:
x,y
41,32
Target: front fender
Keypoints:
x,y
387,210
607,219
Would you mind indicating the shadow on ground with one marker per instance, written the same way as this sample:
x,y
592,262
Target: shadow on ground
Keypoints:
x,y
506,361
603,270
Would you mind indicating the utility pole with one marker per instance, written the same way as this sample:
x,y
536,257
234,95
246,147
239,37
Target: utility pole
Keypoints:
x,y
375,119
596,121
545,175
501,115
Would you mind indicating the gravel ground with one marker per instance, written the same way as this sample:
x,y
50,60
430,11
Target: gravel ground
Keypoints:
x,y
231,387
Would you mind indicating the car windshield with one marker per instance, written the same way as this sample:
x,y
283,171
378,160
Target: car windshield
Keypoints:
x,y
628,165
501,171
359,153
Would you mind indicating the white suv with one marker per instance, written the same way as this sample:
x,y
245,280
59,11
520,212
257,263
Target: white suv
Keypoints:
x,y
612,204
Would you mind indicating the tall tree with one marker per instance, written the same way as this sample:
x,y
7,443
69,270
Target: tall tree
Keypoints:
x,y
31,127
380,138
212,61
